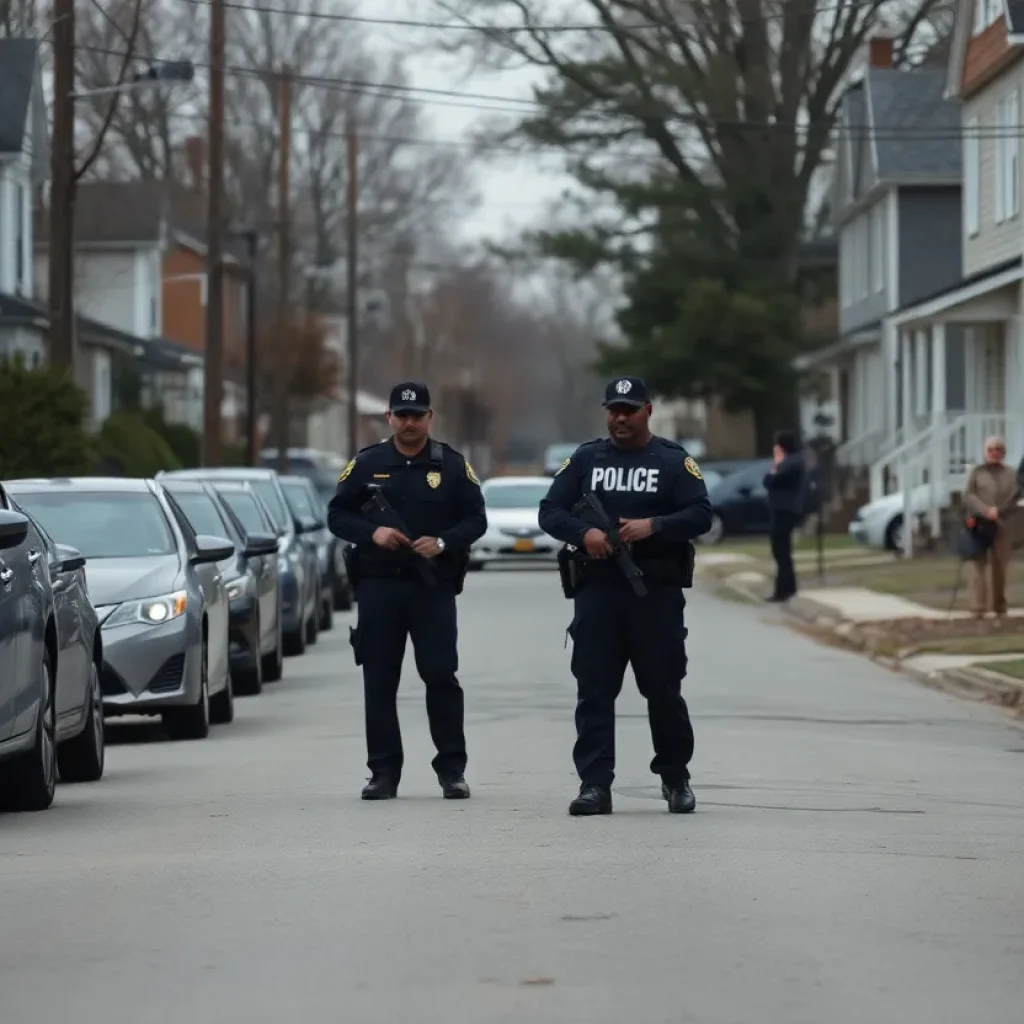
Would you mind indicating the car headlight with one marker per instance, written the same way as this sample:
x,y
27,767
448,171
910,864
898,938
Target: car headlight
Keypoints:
x,y
152,611
242,587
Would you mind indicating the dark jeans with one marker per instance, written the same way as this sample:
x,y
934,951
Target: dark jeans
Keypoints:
x,y
612,629
781,535
390,610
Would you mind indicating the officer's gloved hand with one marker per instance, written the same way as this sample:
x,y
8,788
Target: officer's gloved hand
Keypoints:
x,y
597,544
389,539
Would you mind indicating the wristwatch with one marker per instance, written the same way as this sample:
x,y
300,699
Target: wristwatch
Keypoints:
x,y
440,544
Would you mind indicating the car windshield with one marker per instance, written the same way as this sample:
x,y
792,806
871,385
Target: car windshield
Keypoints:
x,y
104,524
559,452
300,500
524,495
244,506
272,499
201,512
712,478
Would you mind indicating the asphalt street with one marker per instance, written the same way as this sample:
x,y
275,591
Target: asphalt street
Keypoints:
x,y
856,854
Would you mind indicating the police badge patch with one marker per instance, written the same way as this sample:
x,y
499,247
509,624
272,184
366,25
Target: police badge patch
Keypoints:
x,y
473,478
346,471
691,467
434,479
562,466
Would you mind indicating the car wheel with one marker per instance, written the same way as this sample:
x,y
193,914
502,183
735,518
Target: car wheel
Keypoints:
x,y
295,643
222,705
327,613
250,682
894,535
715,534
476,566
343,597
313,622
28,782
273,663
82,759
192,723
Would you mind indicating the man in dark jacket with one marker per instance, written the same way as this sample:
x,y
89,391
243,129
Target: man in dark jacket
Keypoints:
x,y
784,483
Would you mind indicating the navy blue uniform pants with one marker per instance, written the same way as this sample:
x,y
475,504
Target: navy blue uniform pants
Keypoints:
x,y
389,612
613,629
781,536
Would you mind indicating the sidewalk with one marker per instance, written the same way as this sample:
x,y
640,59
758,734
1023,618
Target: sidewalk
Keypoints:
x,y
891,630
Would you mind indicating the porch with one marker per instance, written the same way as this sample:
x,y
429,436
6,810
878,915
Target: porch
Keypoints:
x,y
957,377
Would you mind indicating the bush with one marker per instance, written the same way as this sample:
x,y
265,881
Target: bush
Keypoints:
x,y
42,423
184,442
129,446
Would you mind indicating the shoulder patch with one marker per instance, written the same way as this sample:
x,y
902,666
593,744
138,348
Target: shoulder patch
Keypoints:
x,y
692,467
347,471
563,465
473,478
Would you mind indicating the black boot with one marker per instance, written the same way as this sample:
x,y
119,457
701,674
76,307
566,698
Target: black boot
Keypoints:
x,y
454,787
680,798
592,800
380,787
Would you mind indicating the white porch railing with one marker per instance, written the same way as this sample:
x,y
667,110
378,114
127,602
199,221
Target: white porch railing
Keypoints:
x,y
936,463
906,449
862,450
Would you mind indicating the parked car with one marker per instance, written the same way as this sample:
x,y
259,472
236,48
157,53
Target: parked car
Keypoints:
x,y
296,565
555,455
255,633
308,507
162,606
321,468
513,533
739,502
51,713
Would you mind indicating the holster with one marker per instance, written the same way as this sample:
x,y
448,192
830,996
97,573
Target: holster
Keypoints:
x,y
355,638
351,565
569,574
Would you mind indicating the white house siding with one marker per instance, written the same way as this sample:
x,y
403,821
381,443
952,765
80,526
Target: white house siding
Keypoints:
x,y
26,342
119,288
994,243
15,208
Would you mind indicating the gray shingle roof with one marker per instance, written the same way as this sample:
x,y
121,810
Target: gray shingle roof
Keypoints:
x,y
18,60
917,130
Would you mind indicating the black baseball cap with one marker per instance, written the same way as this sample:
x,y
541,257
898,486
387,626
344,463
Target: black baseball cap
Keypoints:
x,y
626,391
409,396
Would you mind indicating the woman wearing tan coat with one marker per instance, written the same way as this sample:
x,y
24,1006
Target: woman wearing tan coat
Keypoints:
x,y
992,493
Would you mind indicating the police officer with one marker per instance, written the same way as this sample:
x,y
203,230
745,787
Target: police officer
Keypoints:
x,y
654,491
434,494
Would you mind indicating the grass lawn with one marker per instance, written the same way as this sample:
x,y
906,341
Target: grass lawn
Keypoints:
x,y
1013,669
995,643
758,547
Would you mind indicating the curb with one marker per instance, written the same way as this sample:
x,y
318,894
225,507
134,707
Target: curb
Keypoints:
x,y
977,684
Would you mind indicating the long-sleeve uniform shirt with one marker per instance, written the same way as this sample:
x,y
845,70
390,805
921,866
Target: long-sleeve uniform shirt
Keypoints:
x,y
659,482
435,493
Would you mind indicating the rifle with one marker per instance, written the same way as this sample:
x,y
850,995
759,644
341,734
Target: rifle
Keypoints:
x,y
592,504
380,508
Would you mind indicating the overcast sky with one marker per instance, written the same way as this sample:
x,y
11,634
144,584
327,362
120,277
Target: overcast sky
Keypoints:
x,y
515,191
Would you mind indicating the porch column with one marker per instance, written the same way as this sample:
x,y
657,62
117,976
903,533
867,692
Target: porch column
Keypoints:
x,y
938,372
907,359
921,372
890,355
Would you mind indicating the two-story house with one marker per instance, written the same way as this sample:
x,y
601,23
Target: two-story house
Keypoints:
x,y
895,203
958,374
140,266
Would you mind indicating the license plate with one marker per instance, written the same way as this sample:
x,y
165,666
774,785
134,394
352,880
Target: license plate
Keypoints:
x,y
523,545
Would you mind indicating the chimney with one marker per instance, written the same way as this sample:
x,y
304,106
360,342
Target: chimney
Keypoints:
x,y
195,156
880,50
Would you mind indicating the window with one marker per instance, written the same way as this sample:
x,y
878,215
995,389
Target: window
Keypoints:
x,y
972,176
986,13
878,248
20,263
1007,194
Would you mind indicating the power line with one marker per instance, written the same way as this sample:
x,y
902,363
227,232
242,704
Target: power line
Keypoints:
x,y
498,30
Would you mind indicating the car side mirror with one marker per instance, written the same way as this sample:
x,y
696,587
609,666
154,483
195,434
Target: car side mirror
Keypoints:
x,y
310,525
212,549
259,544
70,559
13,528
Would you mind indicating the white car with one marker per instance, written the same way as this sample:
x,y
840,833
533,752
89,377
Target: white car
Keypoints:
x,y
513,533
879,524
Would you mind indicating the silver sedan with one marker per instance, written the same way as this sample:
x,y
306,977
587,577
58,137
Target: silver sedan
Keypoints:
x,y
158,593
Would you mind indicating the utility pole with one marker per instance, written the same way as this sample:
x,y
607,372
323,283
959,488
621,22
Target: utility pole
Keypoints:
x,y
62,189
252,441
352,261
283,340
213,366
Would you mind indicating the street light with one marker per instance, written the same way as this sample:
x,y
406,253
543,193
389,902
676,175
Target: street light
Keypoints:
x,y
163,73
